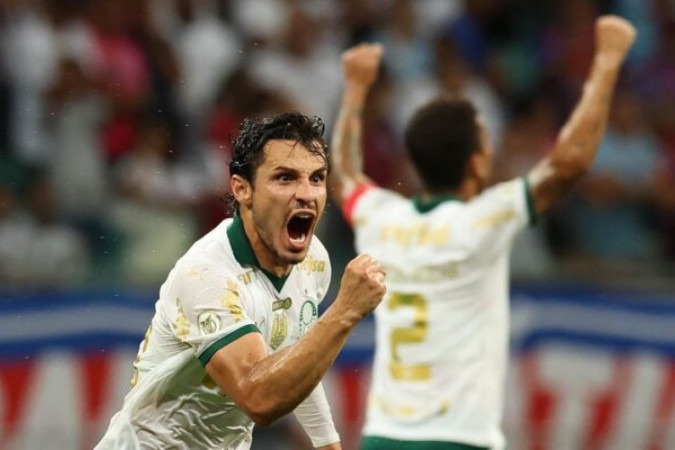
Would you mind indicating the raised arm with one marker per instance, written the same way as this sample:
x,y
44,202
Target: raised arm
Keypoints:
x,y
579,139
359,65
268,387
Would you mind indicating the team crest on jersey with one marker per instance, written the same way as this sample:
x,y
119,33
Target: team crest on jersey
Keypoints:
x,y
308,315
209,322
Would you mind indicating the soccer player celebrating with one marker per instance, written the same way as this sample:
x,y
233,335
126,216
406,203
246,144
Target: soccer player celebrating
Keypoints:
x,y
442,328
235,339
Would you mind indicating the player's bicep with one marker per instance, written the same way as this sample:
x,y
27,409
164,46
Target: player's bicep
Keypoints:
x,y
231,365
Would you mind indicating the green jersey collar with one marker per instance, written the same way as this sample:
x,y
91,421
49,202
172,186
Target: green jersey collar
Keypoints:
x,y
243,252
424,206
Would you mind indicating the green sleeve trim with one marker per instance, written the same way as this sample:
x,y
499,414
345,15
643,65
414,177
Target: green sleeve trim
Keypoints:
x,y
207,354
529,199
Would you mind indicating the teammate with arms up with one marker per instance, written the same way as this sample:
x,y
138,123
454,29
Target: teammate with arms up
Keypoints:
x,y
235,339
442,328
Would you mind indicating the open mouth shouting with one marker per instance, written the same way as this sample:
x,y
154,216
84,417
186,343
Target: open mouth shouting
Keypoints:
x,y
299,228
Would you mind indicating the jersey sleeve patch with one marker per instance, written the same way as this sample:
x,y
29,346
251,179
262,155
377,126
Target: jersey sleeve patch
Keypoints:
x,y
211,350
352,199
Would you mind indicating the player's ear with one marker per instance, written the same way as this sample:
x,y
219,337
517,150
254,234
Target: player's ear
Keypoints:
x,y
241,189
479,165
480,162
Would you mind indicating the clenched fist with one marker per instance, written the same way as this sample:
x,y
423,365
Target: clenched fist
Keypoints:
x,y
614,38
362,286
361,63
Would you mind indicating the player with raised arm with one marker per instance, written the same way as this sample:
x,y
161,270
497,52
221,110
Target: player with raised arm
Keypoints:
x,y
442,328
236,338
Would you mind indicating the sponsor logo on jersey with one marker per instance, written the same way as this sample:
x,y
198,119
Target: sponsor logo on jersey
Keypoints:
x,y
418,234
312,265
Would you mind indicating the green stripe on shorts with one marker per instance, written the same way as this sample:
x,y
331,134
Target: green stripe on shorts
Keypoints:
x,y
380,443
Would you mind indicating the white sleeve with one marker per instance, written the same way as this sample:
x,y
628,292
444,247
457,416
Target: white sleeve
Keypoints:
x,y
497,215
326,274
365,203
315,417
208,308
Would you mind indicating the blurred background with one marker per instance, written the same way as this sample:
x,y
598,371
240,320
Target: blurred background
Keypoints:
x,y
116,118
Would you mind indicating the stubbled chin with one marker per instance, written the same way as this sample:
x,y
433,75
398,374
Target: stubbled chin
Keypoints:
x,y
295,257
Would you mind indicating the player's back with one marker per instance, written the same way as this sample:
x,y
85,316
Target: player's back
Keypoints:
x,y
441,330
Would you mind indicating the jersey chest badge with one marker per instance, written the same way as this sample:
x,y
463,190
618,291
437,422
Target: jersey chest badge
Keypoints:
x,y
308,315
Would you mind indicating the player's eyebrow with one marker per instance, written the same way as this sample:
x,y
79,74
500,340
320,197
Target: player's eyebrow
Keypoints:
x,y
282,168
285,169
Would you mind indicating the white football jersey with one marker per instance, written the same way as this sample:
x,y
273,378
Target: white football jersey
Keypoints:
x,y
442,328
215,294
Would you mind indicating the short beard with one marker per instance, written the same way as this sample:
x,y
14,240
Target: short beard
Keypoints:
x,y
268,243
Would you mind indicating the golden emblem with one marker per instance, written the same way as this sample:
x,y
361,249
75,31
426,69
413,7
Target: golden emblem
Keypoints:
x,y
279,329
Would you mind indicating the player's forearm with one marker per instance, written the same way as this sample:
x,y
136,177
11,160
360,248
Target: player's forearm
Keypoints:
x,y
579,140
280,382
346,141
315,417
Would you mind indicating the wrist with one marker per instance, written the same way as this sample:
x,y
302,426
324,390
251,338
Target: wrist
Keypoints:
x,y
356,91
608,61
342,317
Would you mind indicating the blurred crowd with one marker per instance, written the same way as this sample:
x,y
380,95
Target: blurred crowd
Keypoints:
x,y
116,118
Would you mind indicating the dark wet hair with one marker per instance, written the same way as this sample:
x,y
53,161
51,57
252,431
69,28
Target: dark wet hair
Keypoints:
x,y
440,138
248,147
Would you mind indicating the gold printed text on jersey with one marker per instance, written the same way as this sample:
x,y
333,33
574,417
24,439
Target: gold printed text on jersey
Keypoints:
x,y
423,274
420,234
142,348
409,412
232,302
181,324
496,219
312,265
247,277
